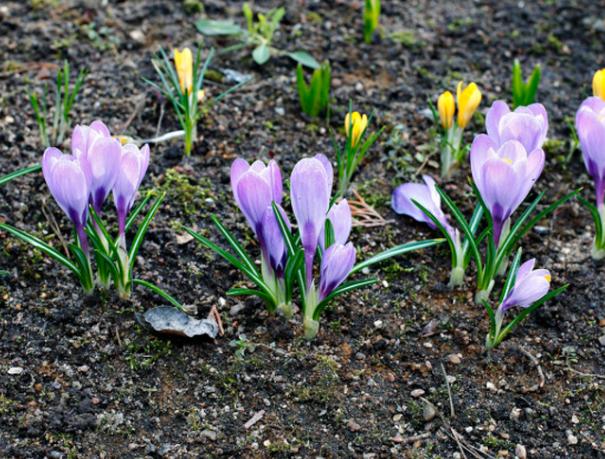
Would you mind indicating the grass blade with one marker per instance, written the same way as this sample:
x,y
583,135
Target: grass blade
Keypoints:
x,y
395,251
158,291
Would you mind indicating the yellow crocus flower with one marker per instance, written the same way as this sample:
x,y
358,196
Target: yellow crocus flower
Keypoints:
x,y
183,62
358,123
446,106
598,84
468,100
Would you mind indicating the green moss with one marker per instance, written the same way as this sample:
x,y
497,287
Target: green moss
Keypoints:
x,y
459,23
187,192
193,6
406,37
554,42
6,404
145,350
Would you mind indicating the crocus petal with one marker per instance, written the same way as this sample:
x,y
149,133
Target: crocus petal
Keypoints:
x,y
446,106
183,63
342,222
524,270
104,162
492,119
272,174
598,84
254,194
482,149
133,165
336,264
327,167
238,167
523,127
272,239
67,183
403,199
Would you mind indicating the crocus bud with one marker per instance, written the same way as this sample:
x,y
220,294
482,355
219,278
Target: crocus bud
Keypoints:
x,y
310,196
598,84
468,100
342,222
446,107
528,125
504,176
68,183
183,62
355,125
590,125
425,194
530,285
254,188
133,165
336,264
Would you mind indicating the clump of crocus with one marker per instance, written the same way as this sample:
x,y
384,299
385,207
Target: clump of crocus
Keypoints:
x,y
422,202
526,288
590,126
287,261
182,84
314,97
468,99
504,171
598,84
358,142
80,183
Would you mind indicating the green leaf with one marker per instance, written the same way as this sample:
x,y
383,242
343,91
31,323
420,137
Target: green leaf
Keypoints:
x,y
517,84
239,250
136,211
441,228
396,251
512,274
261,54
251,292
158,291
492,317
42,246
140,235
304,58
468,232
19,172
344,288
212,28
531,87
595,216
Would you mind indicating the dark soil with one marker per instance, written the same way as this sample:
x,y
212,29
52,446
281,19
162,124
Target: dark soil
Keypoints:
x,y
95,384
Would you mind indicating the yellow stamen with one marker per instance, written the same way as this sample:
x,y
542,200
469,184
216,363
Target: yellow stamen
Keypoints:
x,y
468,100
358,124
507,160
183,63
547,277
446,106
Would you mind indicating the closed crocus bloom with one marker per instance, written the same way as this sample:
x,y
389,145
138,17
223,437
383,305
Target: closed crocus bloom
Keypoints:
x,y
528,125
598,84
310,197
590,125
254,188
272,240
504,176
183,62
83,136
468,100
530,285
355,125
342,222
68,183
133,166
446,107
336,264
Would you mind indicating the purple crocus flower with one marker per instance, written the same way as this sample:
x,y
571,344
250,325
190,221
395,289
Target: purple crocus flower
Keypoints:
x,y
99,155
425,194
590,124
504,176
69,184
342,222
133,165
528,125
530,285
310,188
255,187
272,241
336,264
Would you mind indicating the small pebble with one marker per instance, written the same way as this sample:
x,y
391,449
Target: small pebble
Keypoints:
x,y
15,370
417,393
353,426
571,438
454,358
491,387
429,412
520,451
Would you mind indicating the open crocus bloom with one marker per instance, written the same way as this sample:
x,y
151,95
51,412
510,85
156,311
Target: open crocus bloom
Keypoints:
x,y
504,176
530,285
99,154
528,125
255,187
425,194
590,125
69,184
